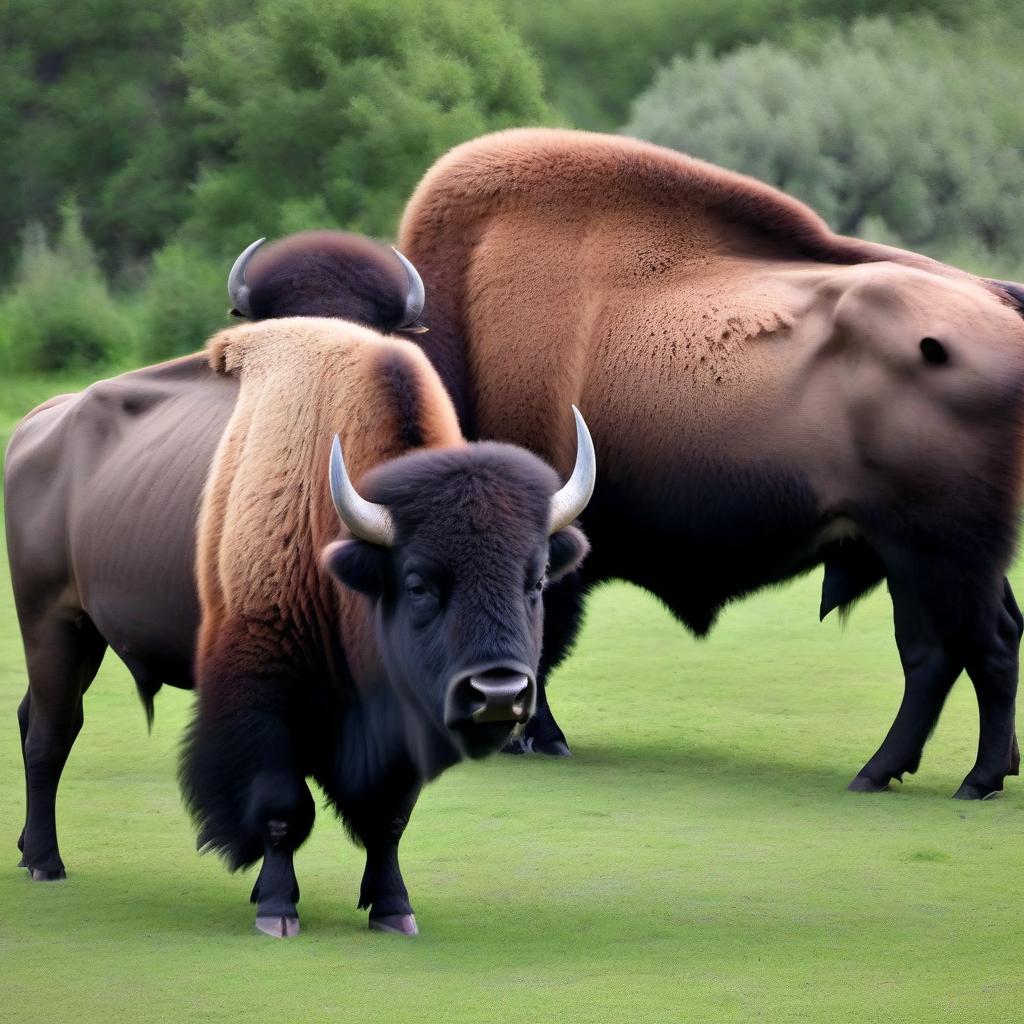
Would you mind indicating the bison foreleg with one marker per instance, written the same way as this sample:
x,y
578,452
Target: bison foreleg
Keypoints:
x,y
276,891
378,824
563,611
929,673
542,735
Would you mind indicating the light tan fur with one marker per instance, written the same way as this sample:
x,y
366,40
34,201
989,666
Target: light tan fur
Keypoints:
x,y
692,313
266,511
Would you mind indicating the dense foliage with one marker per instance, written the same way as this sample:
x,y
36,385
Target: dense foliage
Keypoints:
x,y
92,106
903,133
326,114
58,314
597,56
172,135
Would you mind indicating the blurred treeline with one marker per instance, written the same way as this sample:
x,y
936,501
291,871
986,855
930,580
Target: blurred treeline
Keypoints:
x,y
145,145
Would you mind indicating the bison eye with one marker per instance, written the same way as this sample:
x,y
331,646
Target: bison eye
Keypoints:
x,y
415,587
934,351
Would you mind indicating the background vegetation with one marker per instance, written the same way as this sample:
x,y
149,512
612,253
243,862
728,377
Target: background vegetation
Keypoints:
x,y
145,146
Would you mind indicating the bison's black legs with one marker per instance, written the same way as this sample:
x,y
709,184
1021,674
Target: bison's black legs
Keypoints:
x,y
993,670
987,646
378,824
542,734
929,671
63,655
244,782
563,604
276,891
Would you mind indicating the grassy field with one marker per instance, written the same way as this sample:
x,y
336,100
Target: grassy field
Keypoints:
x,y
697,860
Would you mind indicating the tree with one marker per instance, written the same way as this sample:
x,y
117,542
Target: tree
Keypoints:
x,y
598,56
59,314
909,133
92,107
318,113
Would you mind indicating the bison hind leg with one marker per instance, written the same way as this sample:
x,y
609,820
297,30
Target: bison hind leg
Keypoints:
x,y
63,652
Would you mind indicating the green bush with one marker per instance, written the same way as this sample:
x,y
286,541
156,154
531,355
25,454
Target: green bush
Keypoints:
x,y
92,102
909,132
598,56
318,113
59,314
183,303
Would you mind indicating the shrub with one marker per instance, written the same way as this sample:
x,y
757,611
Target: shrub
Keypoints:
x,y
598,56
183,303
59,313
318,113
911,131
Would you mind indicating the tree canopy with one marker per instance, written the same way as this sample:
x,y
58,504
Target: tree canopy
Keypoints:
x,y
900,132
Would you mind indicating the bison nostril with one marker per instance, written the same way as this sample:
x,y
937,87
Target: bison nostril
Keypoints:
x,y
495,695
498,696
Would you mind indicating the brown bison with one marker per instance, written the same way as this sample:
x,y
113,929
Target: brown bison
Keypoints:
x,y
766,396
191,500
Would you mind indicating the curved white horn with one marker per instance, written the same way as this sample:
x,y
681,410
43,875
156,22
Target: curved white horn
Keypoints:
x,y
416,295
571,500
238,290
364,519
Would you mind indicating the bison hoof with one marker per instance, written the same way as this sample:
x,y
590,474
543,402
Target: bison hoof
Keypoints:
x,y
47,874
864,784
530,745
278,926
395,924
975,791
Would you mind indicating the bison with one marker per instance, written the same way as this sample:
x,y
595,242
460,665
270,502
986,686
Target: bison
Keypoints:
x,y
182,515
766,396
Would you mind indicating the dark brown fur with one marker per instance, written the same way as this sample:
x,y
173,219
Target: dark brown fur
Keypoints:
x,y
759,390
347,276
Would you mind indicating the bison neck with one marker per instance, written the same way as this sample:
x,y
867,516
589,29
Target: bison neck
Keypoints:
x,y
267,512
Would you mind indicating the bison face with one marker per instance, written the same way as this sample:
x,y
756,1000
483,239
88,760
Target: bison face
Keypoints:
x,y
458,591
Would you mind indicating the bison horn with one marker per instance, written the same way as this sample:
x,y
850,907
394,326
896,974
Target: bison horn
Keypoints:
x,y
238,290
414,299
364,519
571,500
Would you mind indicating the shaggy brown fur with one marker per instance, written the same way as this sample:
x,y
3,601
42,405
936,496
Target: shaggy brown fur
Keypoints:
x,y
757,388
301,381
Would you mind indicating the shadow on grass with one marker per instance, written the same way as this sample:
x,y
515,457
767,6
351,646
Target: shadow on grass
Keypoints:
x,y
771,776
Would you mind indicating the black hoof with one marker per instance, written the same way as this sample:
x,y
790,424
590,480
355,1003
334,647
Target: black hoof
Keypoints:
x,y
529,745
44,875
975,791
863,784
552,748
395,924
278,926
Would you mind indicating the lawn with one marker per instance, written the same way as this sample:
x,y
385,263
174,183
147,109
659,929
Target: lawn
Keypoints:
x,y
697,860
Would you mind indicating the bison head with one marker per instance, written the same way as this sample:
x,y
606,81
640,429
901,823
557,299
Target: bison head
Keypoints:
x,y
455,550
328,273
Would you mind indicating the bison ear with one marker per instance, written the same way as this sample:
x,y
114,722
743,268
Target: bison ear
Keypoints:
x,y
358,565
566,549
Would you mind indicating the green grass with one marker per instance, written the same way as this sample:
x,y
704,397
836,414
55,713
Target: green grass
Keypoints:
x,y
698,859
